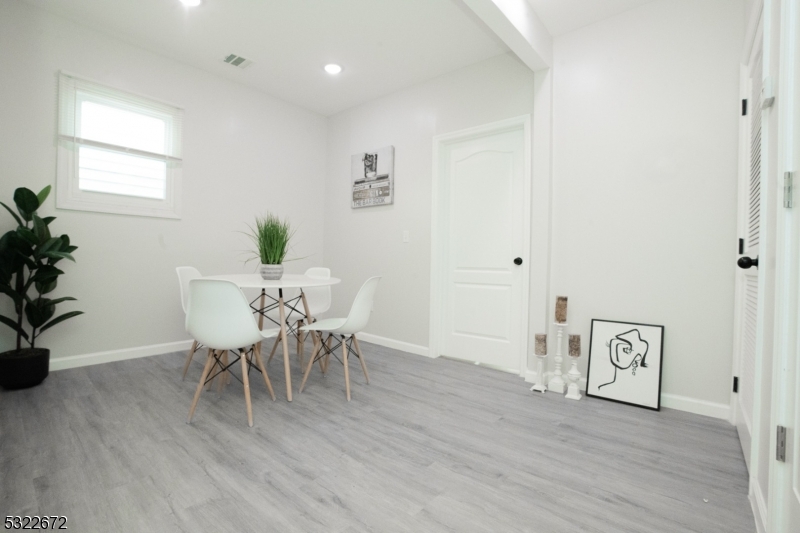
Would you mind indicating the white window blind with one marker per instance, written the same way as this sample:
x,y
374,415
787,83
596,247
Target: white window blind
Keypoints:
x,y
118,152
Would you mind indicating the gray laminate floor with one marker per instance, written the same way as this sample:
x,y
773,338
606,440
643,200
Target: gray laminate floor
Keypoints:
x,y
430,445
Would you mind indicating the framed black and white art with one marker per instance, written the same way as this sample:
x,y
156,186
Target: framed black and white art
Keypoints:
x,y
372,177
625,363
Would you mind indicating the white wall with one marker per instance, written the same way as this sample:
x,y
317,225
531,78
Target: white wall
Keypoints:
x,y
645,165
364,242
244,153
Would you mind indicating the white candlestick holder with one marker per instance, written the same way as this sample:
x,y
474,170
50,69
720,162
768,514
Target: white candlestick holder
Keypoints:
x,y
556,383
574,376
540,385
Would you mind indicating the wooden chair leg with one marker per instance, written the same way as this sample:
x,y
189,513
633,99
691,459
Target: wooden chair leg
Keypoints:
x,y
361,358
300,342
309,320
206,370
316,336
246,381
189,357
261,367
328,353
211,383
346,369
287,367
274,347
222,378
314,351
228,372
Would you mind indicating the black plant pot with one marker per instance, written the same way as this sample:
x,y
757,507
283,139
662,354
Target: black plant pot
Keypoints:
x,y
24,368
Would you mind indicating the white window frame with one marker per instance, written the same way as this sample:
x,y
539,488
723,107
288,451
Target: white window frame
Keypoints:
x,y
74,90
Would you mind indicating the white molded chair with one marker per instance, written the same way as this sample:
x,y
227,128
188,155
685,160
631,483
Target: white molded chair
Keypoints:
x,y
318,298
343,330
220,318
185,275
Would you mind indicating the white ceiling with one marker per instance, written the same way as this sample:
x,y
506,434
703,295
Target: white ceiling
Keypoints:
x,y
562,16
383,45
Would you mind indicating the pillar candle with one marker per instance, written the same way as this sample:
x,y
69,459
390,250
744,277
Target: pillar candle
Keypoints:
x,y
561,309
541,344
575,345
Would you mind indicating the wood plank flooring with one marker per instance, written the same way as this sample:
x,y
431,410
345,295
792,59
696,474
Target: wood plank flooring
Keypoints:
x,y
428,446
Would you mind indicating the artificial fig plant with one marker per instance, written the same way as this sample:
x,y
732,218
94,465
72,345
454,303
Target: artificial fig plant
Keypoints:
x,y
28,272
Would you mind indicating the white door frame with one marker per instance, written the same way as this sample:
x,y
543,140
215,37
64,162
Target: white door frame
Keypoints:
x,y
440,189
763,439
787,294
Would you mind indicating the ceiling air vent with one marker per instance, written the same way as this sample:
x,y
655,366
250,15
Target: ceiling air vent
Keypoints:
x,y
238,61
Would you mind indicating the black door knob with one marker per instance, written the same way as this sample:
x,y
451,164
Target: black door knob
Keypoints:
x,y
518,261
746,262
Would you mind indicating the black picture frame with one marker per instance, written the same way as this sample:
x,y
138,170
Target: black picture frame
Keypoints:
x,y
617,350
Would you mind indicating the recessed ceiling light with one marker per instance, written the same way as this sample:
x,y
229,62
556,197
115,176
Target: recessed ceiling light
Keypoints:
x,y
191,3
333,68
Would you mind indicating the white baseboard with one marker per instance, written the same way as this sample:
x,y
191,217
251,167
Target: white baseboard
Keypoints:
x,y
403,346
74,361
693,405
759,506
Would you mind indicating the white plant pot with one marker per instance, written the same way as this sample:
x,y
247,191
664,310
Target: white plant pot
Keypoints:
x,y
271,271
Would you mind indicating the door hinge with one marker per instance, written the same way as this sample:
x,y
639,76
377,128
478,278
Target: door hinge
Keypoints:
x,y
767,93
788,189
735,384
780,447
744,106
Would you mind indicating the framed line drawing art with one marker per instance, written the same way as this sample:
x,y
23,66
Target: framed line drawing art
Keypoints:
x,y
625,363
372,178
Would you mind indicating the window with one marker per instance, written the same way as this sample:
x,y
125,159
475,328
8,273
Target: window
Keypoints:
x,y
117,152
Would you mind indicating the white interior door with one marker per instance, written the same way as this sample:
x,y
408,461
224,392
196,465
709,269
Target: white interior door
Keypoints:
x,y
484,262
771,227
747,279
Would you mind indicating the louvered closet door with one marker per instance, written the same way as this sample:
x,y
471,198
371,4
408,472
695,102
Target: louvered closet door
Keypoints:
x,y
748,279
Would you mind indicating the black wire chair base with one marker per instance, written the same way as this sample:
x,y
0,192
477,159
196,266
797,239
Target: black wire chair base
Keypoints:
x,y
332,350
225,368
290,304
323,350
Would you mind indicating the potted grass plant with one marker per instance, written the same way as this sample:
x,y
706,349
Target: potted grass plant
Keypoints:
x,y
28,274
271,236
